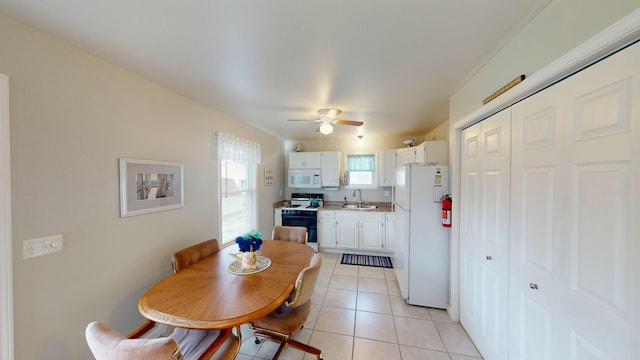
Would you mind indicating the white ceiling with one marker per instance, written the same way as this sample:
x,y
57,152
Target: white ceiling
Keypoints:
x,y
391,64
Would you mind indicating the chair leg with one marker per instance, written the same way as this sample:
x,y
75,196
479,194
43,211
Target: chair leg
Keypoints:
x,y
284,342
306,348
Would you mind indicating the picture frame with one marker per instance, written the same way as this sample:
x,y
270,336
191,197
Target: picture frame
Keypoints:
x,y
148,186
268,177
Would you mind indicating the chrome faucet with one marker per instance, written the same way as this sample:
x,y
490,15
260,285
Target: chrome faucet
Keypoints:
x,y
359,196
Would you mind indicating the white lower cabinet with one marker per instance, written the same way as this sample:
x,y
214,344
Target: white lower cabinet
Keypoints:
x,y
277,217
389,233
347,235
360,230
327,229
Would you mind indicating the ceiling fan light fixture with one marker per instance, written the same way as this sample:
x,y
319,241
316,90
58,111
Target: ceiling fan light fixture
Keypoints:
x,y
326,128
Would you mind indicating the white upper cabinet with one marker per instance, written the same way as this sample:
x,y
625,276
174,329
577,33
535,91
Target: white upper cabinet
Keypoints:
x,y
433,152
406,156
387,171
305,160
327,161
330,165
436,152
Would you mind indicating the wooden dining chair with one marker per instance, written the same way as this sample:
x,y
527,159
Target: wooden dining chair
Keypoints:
x,y
107,344
185,257
283,322
290,233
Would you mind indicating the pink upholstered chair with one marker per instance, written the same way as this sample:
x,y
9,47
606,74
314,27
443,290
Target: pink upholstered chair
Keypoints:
x,y
290,233
107,344
283,322
185,257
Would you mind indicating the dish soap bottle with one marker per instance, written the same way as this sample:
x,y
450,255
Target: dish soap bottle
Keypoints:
x,y
345,201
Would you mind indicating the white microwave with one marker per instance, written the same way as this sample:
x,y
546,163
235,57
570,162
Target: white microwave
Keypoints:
x,y
304,178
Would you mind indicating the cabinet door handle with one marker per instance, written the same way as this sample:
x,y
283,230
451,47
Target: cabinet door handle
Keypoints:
x,y
489,257
533,286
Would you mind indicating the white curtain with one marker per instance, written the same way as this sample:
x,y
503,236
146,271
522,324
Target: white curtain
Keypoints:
x,y
238,150
238,159
364,162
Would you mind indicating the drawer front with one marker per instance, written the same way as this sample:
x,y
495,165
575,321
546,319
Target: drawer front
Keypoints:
x,y
324,214
359,215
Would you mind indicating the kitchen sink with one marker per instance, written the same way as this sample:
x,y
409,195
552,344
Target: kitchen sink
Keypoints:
x,y
359,207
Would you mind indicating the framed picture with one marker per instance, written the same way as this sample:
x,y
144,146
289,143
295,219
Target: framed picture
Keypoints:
x,y
148,186
268,177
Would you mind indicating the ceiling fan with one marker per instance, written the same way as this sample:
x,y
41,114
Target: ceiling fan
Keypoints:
x,y
327,118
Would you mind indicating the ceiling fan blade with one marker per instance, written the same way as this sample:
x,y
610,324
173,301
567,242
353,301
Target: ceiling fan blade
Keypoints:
x,y
349,122
332,113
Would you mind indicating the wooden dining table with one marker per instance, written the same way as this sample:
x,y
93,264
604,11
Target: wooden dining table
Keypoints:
x,y
207,295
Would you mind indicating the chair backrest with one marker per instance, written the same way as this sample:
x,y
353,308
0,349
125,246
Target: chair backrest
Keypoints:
x,y
107,344
306,282
290,233
185,257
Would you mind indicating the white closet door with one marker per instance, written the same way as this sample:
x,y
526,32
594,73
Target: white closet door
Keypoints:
x,y
575,239
537,200
484,242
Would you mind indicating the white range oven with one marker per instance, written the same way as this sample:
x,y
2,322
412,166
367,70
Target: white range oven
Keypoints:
x,y
303,211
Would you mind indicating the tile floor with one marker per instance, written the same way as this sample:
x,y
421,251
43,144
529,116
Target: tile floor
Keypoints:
x,y
358,313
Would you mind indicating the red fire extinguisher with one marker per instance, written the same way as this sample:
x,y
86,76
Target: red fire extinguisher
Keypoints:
x,y
446,211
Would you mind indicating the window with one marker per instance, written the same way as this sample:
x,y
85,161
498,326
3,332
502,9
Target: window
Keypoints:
x,y
238,160
361,171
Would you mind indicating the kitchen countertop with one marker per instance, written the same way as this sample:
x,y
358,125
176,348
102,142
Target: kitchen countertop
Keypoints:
x,y
337,205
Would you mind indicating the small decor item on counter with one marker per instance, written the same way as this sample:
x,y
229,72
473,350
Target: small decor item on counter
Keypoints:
x,y
298,148
249,245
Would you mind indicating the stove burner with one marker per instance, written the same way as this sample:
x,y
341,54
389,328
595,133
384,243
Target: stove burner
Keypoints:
x,y
305,201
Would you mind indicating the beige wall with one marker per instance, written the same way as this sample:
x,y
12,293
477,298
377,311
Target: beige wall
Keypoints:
x,y
72,116
560,27
439,133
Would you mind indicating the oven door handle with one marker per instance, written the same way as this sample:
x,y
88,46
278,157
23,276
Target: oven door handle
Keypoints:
x,y
291,216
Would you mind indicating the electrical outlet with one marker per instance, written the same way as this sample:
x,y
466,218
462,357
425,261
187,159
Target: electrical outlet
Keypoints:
x,y
387,193
42,246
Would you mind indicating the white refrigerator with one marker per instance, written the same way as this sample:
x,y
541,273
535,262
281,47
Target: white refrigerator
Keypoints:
x,y
421,252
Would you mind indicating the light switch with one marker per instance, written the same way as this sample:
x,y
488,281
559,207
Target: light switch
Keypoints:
x,y
42,246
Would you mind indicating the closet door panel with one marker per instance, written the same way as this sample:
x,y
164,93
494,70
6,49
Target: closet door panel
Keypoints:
x,y
602,233
575,188
535,248
471,226
484,245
